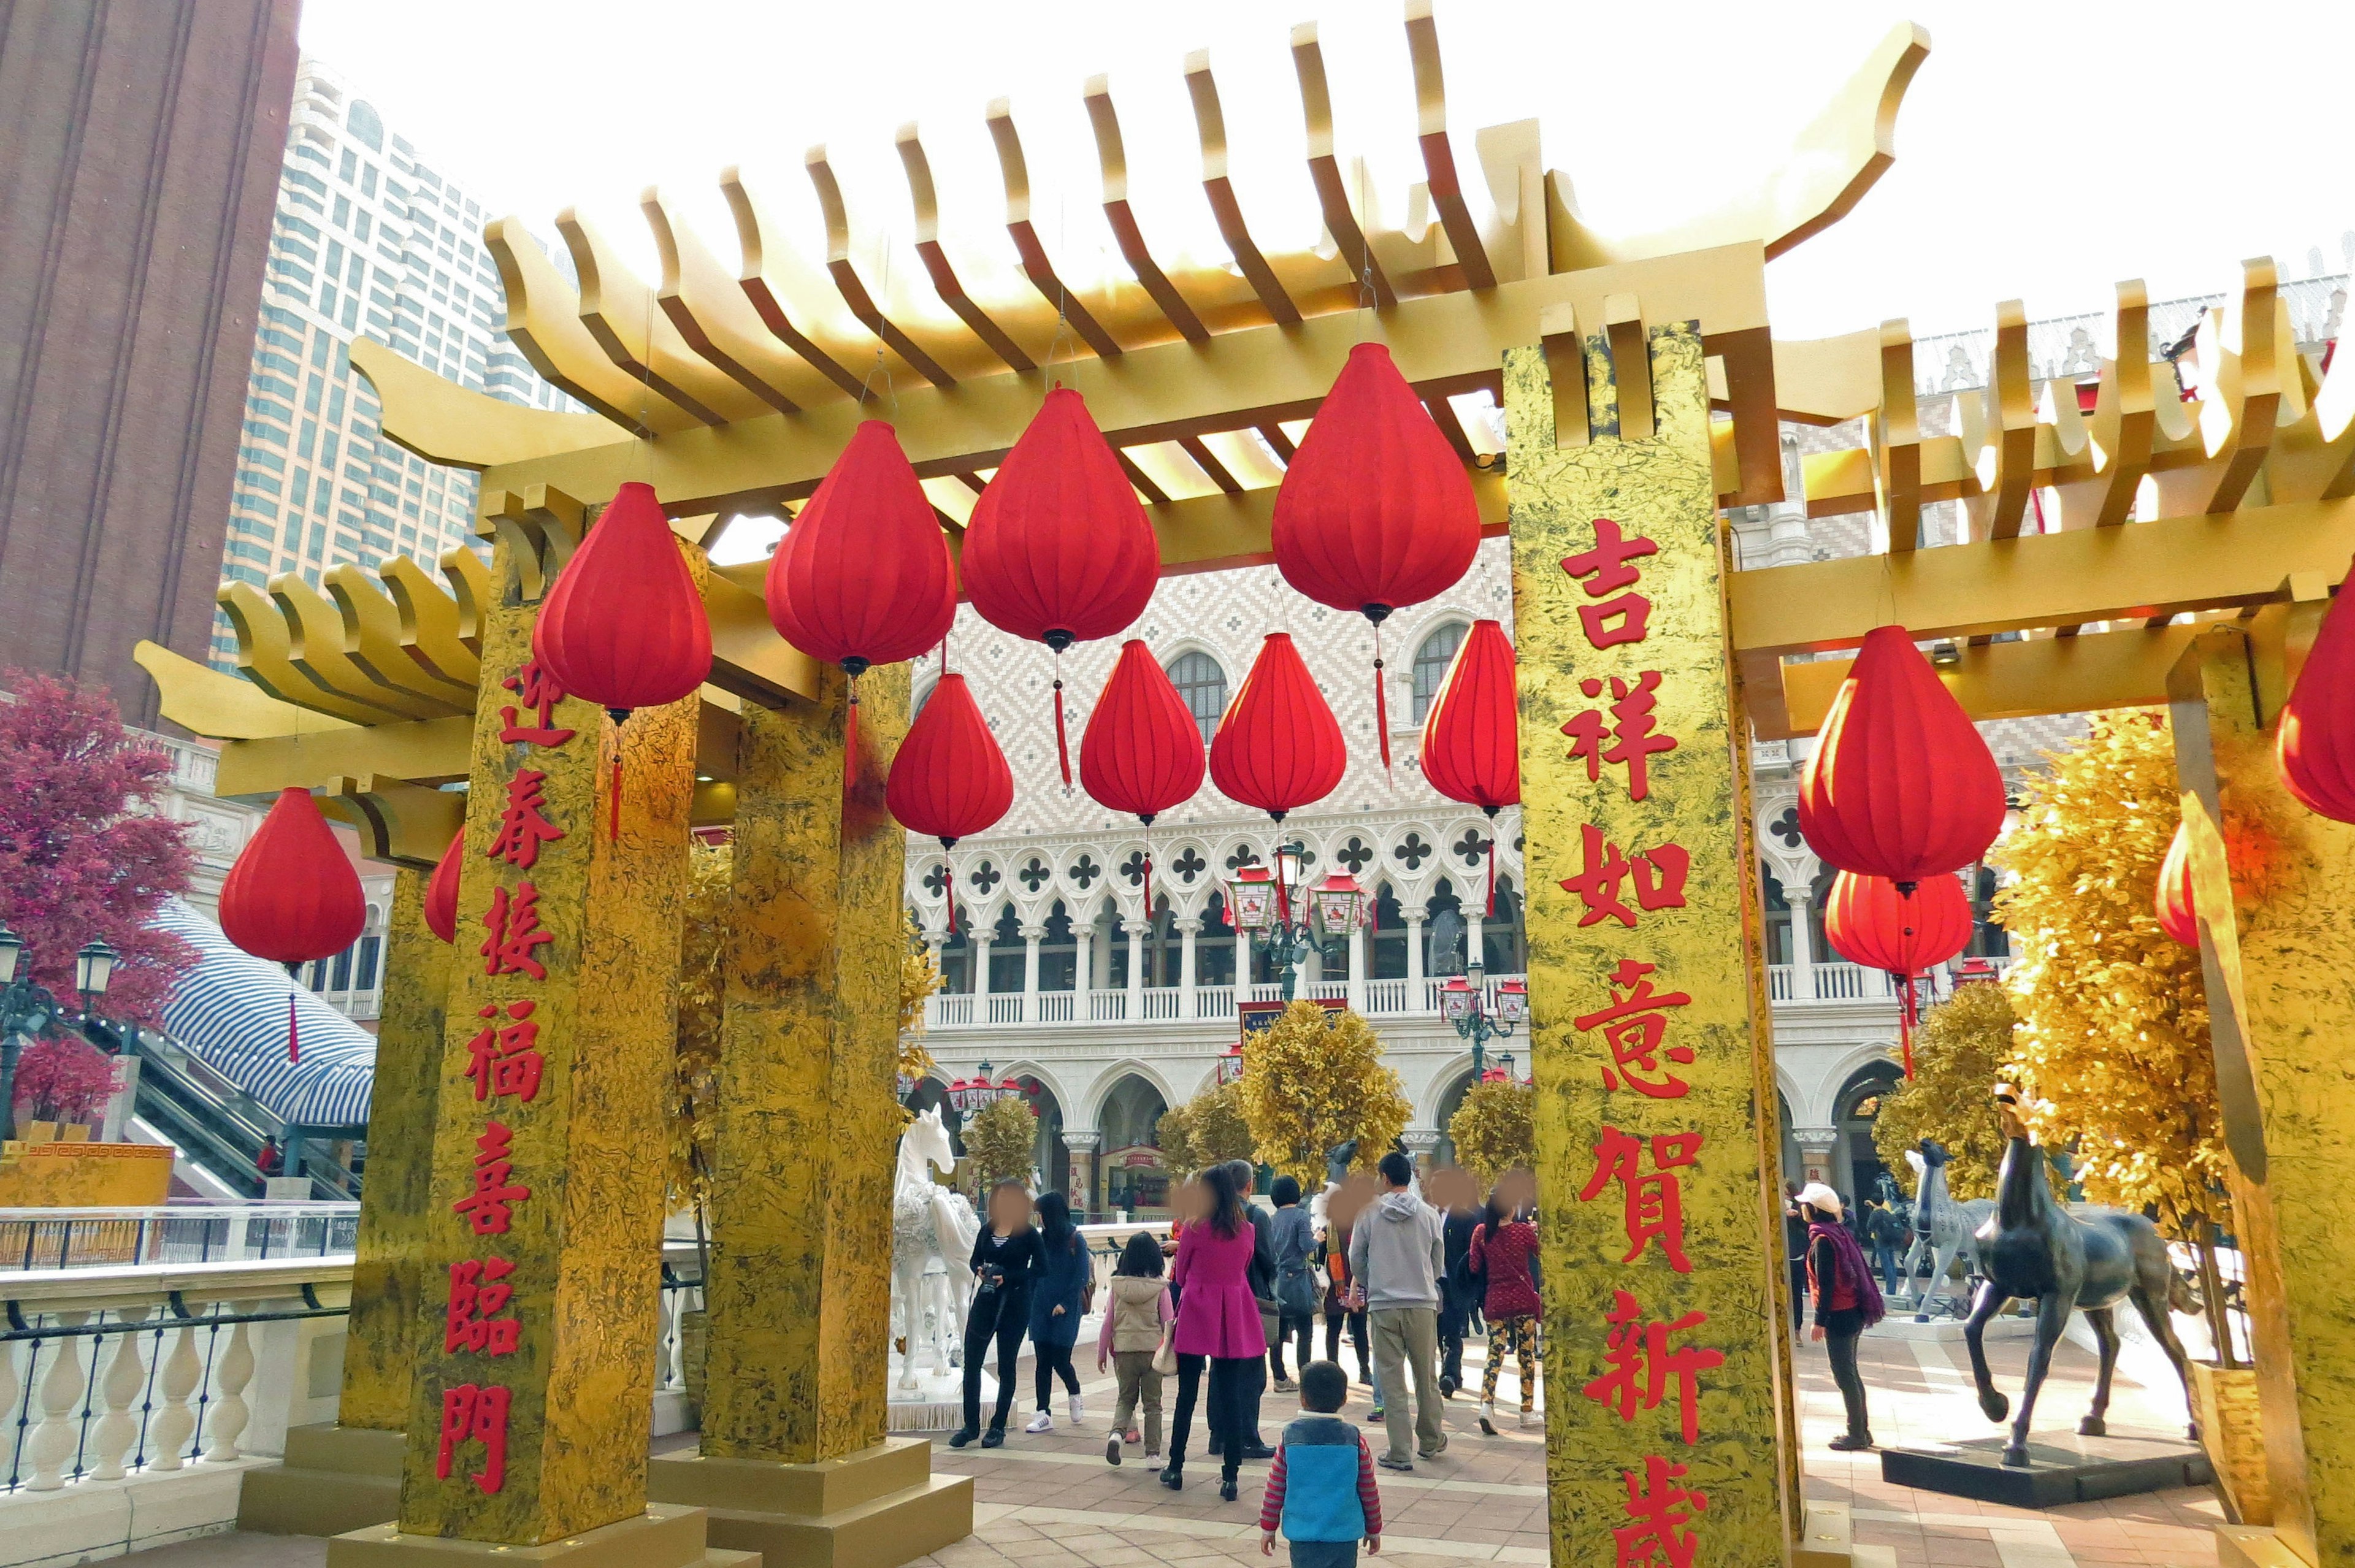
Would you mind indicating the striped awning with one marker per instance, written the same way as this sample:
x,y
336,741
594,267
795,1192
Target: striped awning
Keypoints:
x,y
230,1009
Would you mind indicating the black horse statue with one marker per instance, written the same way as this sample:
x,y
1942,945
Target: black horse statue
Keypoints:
x,y
2088,1261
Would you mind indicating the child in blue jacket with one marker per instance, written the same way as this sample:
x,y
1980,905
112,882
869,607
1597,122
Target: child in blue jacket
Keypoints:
x,y
1321,1487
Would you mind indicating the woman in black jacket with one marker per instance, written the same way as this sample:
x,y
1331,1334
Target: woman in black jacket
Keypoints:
x,y
1005,1259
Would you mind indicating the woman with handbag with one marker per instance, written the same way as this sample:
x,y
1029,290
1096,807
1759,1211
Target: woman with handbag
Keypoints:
x,y
1005,1256
1135,1340
1219,1332
1296,1283
1058,1301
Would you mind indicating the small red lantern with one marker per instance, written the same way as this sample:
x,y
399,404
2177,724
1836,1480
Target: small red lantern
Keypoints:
x,y
1142,751
1277,746
293,896
949,779
1375,511
2171,897
1901,785
441,892
1059,548
1871,923
2315,748
1471,739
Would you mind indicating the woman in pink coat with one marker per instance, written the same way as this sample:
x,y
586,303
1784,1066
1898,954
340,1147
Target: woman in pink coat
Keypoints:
x,y
1217,1327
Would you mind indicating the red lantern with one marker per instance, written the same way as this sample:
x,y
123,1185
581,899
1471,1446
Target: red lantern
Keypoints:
x,y
441,892
624,626
1868,921
293,896
1142,751
1059,548
1901,785
1375,511
1471,738
1277,746
949,779
2177,915
2316,746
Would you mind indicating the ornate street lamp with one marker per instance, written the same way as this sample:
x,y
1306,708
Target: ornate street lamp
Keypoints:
x,y
1464,1002
1275,912
1231,1064
93,968
27,1009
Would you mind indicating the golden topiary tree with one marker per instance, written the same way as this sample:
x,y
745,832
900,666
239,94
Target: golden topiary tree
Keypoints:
x,y
1312,1079
1001,1140
2113,1054
1205,1131
1959,1051
919,978
1495,1130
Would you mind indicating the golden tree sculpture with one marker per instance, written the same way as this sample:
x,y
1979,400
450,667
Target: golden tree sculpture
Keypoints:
x,y
1314,1079
1495,1130
1959,1051
919,978
1001,1141
1205,1131
2113,1054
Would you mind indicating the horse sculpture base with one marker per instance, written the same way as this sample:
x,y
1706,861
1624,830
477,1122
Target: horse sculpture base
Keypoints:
x,y
2063,1468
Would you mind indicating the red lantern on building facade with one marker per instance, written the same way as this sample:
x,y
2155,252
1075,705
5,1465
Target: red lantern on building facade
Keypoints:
x,y
1375,511
1869,922
1471,738
2314,747
1901,786
1059,548
949,779
1142,751
1278,746
2171,897
441,890
293,896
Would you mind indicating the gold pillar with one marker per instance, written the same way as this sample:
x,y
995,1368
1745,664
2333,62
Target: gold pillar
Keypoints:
x,y
529,1416
1666,1357
2281,1013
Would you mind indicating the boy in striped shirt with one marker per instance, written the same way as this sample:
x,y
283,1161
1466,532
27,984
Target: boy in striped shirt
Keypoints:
x,y
1321,1487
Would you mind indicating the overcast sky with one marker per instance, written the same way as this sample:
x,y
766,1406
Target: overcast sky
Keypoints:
x,y
2048,148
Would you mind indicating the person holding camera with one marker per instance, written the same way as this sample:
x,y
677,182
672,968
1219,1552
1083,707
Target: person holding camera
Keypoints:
x,y
1006,1258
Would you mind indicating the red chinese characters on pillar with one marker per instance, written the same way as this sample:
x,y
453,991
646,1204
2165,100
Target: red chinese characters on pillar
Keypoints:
x,y
1654,1198
1633,1027
524,826
475,1412
538,693
479,1298
491,1205
1630,737
1639,1363
503,1058
1665,1514
1658,874
513,921
1620,616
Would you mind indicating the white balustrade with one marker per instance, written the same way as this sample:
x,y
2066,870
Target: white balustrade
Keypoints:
x,y
1107,1007
1055,1007
1162,1001
231,1376
950,1011
58,1434
175,1422
126,1374
1385,997
1006,1009
1778,982
1214,1002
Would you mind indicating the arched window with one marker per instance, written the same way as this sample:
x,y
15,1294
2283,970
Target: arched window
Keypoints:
x,y
1203,685
1430,662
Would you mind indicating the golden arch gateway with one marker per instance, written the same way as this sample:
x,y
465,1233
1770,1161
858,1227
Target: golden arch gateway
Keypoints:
x,y
1643,390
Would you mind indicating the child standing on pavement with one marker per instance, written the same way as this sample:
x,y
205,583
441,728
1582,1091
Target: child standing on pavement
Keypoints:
x,y
1134,1324
1320,1488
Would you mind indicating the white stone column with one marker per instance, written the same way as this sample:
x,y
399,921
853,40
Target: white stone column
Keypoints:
x,y
1084,966
1414,914
1420,1143
1476,950
1188,930
1815,1153
981,979
1803,945
1135,930
1357,969
1031,936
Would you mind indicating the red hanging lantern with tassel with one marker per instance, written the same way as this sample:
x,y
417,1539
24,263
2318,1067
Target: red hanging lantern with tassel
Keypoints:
x,y
1278,746
1471,737
293,896
441,892
1901,785
1869,922
1059,548
2314,747
2171,897
624,626
1142,751
1375,512
949,779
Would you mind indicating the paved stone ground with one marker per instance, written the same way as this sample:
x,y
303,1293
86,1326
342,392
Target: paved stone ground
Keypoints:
x,y
1050,1502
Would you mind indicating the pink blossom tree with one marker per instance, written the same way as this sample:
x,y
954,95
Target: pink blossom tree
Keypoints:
x,y
84,850
63,1079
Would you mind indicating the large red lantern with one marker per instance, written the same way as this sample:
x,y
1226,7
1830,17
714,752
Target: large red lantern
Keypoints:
x,y
2315,748
2171,897
293,896
1868,921
1142,751
1375,511
1278,746
949,779
441,892
863,576
1471,738
1059,548
1901,786
623,626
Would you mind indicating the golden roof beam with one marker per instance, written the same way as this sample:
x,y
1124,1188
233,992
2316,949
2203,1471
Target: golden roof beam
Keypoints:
x,y
1036,266
814,326
943,272
1211,128
439,630
426,752
1112,159
847,281
2116,443
2000,432
399,821
203,701
1897,442
618,309
1438,155
712,317
266,655
544,319
1325,168
378,645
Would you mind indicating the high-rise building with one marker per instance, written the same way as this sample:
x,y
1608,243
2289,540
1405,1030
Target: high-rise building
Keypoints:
x,y
141,148
370,239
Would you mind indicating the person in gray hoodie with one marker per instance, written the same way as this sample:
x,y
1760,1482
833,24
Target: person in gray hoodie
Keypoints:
x,y
1395,1259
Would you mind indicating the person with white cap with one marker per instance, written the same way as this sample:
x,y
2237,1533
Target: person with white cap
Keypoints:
x,y
1846,1301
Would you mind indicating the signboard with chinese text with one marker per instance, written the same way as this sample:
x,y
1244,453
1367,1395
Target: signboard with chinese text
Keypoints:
x,y
1260,1016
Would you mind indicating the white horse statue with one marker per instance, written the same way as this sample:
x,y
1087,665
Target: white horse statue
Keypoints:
x,y
930,1222
1942,1229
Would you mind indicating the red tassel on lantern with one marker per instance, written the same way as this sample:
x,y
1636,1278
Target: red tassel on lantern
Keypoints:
x,y
1059,548
2315,748
1868,921
441,892
2171,898
1277,746
1901,786
1375,512
293,896
949,779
